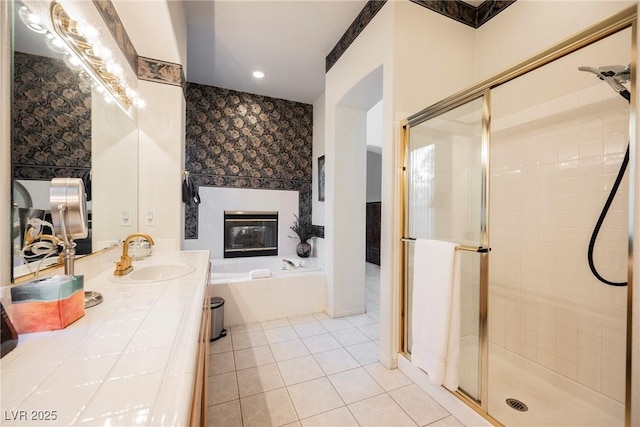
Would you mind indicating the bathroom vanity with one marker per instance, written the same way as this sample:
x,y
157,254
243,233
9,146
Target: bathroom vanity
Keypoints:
x,y
138,358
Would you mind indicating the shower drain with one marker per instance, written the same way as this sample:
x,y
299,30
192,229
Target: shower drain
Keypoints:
x,y
517,405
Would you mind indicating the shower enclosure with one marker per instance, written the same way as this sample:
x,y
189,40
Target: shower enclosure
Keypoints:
x,y
519,168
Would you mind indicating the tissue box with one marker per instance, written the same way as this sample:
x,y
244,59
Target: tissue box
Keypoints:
x,y
47,304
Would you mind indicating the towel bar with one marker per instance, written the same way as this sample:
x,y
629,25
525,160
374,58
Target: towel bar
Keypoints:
x,y
458,248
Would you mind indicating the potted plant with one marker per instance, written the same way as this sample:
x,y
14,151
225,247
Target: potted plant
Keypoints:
x,y
304,231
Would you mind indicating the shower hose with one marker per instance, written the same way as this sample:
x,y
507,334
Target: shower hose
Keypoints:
x,y
623,167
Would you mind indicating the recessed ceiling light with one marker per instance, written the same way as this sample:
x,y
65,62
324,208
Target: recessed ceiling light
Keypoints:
x,y
258,74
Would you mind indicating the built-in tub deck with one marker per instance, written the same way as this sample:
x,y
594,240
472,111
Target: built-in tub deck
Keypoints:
x,y
288,292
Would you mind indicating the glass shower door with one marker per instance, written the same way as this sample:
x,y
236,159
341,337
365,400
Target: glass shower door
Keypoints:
x,y
446,201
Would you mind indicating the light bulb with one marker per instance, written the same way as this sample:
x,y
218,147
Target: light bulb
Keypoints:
x,y
102,51
31,20
72,62
258,74
115,68
98,87
56,45
88,31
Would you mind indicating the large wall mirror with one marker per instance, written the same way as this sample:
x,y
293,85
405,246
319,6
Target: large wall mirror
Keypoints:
x,y
62,126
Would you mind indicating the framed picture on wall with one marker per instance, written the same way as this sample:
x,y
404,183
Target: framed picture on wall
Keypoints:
x,y
321,178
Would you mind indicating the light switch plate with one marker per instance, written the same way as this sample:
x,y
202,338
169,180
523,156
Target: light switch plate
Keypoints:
x,y
150,219
125,218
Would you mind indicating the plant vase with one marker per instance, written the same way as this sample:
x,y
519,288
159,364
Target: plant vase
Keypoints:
x,y
303,249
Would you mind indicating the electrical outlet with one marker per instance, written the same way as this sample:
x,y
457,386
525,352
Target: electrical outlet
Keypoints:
x,y
151,217
125,218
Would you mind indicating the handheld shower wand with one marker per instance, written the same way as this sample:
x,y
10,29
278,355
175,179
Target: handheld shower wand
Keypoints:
x,y
615,76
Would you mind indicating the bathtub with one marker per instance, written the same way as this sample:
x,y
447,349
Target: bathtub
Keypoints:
x,y
289,292
230,269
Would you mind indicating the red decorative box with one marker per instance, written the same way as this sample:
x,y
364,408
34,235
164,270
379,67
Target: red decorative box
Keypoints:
x,y
47,304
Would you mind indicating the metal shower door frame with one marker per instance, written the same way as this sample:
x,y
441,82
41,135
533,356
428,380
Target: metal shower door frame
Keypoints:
x,y
483,359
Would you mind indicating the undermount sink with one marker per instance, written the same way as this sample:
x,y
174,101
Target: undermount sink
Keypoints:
x,y
157,273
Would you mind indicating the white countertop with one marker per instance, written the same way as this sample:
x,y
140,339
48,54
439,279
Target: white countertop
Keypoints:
x,y
129,361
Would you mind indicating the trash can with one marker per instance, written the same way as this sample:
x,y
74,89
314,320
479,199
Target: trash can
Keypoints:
x,y
217,318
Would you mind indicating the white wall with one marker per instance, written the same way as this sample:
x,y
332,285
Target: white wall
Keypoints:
x,y
434,57
413,46
349,219
114,141
344,245
161,144
216,200
161,35
529,26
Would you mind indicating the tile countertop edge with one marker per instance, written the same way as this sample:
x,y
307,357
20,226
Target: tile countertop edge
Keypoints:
x,y
175,316
173,404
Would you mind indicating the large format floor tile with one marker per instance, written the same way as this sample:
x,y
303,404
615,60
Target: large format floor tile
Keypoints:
x,y
314,397
313,370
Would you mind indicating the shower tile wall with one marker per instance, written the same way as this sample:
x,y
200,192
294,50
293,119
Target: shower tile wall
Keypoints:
x,y
551,170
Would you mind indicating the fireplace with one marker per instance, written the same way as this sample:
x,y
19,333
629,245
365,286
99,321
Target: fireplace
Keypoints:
x,y
249,234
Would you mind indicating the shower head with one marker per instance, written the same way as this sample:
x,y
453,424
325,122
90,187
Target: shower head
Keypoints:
x,y
614,75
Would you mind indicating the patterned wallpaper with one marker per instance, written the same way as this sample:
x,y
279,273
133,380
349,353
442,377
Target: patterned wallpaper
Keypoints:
x,y
154,70
237,139
466,13
51,119
362,20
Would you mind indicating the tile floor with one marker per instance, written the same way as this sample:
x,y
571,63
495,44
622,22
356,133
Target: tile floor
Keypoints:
x,y
314,371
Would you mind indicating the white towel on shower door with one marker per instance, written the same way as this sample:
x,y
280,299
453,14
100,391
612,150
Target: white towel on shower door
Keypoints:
x,y
435,316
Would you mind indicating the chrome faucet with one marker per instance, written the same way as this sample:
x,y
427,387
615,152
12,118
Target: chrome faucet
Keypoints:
x,y
124,265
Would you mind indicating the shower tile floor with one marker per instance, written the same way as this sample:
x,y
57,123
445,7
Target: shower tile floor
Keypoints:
x,y
314,371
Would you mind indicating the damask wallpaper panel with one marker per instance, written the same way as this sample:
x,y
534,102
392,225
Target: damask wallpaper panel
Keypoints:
x,y
237,139
51,119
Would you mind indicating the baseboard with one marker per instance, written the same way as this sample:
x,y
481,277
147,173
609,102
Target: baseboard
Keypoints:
x,y
348,312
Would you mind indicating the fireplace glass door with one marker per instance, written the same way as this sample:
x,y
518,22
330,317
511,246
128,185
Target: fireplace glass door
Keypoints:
x,y
250,234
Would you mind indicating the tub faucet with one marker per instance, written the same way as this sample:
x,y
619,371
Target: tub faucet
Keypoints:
x,y
124,265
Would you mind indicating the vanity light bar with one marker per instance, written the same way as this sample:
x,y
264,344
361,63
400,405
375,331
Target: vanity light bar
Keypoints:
x,y
95,66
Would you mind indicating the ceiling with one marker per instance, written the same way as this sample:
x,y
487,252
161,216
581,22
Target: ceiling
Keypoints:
x,y
288,40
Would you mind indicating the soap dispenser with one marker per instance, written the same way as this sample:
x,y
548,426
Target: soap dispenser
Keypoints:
x,y
9,334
